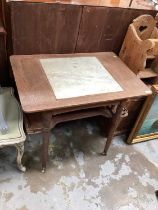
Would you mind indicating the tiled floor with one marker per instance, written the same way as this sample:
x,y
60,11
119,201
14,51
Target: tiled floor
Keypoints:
x,y
77,177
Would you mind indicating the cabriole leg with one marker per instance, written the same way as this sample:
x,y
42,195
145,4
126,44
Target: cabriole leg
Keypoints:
x,y
20,152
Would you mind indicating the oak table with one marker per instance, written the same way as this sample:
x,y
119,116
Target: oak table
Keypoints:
x,y
62,87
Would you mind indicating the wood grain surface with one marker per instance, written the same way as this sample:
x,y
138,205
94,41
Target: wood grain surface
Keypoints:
x,y
104,29
67,28
44,28
36,93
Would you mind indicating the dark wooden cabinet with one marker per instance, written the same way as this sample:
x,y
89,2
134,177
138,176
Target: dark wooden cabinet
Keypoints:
x,y
3,61
3,51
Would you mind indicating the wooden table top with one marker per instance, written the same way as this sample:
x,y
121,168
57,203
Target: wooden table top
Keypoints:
x,y
36,93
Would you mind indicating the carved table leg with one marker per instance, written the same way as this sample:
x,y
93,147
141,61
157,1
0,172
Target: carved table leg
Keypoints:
x,y
20,152
47,117
120,113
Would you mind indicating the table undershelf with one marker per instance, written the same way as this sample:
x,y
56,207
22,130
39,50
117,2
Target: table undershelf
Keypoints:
x,y
33,122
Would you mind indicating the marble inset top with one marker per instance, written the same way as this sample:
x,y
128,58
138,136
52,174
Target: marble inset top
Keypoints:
x,y
78,76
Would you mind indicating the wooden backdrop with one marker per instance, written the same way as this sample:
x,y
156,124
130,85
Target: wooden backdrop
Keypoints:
x,y
59,28
3,56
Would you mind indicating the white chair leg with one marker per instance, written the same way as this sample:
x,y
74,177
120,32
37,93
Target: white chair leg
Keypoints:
x,y
20,152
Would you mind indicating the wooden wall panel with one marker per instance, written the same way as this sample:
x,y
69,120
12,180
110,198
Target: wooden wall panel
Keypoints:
x,y
59,28
104,28
44,28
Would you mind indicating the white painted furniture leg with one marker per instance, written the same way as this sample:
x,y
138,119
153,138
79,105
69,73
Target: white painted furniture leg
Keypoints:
x,y
11,124
20,152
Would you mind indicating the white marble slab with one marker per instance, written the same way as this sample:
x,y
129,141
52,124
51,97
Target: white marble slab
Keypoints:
x,y
78,76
